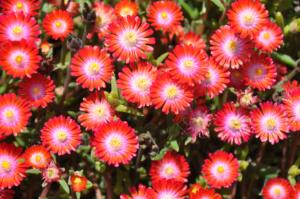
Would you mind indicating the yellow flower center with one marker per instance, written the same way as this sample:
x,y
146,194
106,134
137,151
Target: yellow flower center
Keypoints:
x,y
17,30
277,191
232,45
131,38
99,111
171,92
235,124
248,18
195,189
77,180
220,169
266,35
6,166
38,158
142,83
19,5
198,121
94,68
164,15
169,171
259,71
246,99
58,24
62,136
271,124
9,114
36,90
116,144
126,11
188,64
19,59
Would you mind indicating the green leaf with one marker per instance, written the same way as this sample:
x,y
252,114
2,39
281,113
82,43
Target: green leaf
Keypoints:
x,y
174,145
219,4
114,87
161,58
64,185
285,59
78,194
33,171
130,110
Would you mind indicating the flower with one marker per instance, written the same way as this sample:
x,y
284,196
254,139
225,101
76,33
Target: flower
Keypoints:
x,y
228,49
296,193
292,106
141,192
187,64
28,7
92,67
232,124
246,98
260,72
37,156
236,79
115,143
61,135
135,83
172,166
19,58
169,95
277,188
78,183
14,114
164,15
247,17
192,39
202,193
129,39
12,169
52,173
37,90
17,26
126,8
216,80
96,111
269,38
270,122
220,169
169,189
198,122
58,24
7,194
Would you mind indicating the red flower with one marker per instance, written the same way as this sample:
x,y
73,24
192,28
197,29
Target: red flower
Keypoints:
x,y
192,39
78,183
247,17
129,39
12,169
115,143
38,90
126,8
135,83
61,135
164,15
221,169
92,67
7,194
172,166
296,192
270,122
232,124
16,27
58,24
170,95
260,72
292,106
269,37
37,157
236,79
246,98
142,192
228,49
14,114
19,58
96,111
187,64
52,173
277,188
169,189
202,193
216,80
28,7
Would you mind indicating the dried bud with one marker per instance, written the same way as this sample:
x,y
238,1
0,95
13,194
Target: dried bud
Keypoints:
x,y
89,15
74,43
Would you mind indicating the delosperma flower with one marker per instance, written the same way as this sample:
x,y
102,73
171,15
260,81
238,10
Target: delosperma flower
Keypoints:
x,y
37,156
126,8
28,7
292,106
203,193
192,39
78,183
52,173
169,189
277,188
236,79
140,192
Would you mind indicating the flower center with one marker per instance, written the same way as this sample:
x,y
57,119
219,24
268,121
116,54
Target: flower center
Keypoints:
x,y
58,24
259,71
248,19
19,5
62,135
131,39
266,35
164,15
9,114
17,30
232,45
195,189
94,68
169,171
171,92
271,124
198,121
38,158
277,191
99,111
36,90
116,144
142,83
246,99
77,180
126,11
188,64
19,59
6,166
235,124
220,169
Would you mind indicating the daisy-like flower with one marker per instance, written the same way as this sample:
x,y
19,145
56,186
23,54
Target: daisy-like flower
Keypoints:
x,y
58,24
37,156
78,183
96,111
228,49
192,39
61,135
216,80
19,58
126,8
296,193
105,14
269,38
37,90
52,173
246,98
194,189
206,194
14,114
232,124
12,169
135,83
290,86
129,39
17,26
236,79
166,189
115,143
220,169
187,64
260,72
7,194
292,106
247,17
28,7
92,67
277,188
270,122
169,95
165,15
198,122
172,166
142,192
